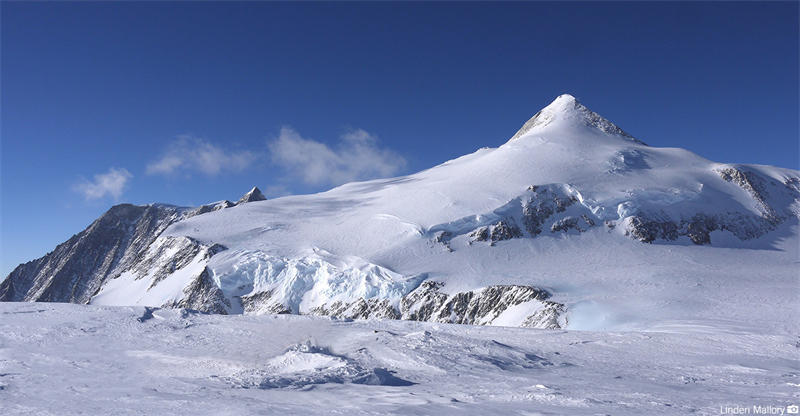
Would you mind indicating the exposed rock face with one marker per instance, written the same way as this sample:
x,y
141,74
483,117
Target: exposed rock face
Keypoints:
x,y
374,308
648,230
697,228
423,302
648,227
180,259
361,309
169,254
124,238
567,107
480,307
262,303
252,196
793,184
505,229
428,303
579,224
481,234
203,294
77,268
551,316
753,185
542,204
211,208
561,208
443,238
539,207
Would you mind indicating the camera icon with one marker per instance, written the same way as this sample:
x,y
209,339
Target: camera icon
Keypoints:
x,y
793,409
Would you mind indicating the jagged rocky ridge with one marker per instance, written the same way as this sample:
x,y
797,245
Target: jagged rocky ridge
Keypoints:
x,y
650,226
202,294
560,208
566,104
428,303
252,196
79,267
117,241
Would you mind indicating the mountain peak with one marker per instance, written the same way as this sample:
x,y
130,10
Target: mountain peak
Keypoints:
x,y
564,103
252,196
566,109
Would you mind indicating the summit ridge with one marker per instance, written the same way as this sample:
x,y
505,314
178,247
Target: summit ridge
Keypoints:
x,y
567,110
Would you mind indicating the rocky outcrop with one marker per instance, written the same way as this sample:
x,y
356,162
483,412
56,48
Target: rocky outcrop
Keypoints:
x,y
698,228
360,309
648,230
120,240
422,303
566,106
443,238
169,254
77,268
540,207
505,229
753,185
429,303
793,184
579,224
545,201
745,225
561,209
203,209
174,263
481,306
203,294
261,303
252,196
565,224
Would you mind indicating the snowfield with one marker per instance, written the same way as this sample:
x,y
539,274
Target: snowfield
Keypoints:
x,y
62,359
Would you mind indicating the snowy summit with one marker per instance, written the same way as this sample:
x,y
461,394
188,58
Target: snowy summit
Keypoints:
x,y
567,112
252,196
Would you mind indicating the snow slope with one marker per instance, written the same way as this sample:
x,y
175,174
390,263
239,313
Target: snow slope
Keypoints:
x,y
58,359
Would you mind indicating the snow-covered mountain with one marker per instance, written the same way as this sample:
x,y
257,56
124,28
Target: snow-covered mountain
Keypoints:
x,y
571,223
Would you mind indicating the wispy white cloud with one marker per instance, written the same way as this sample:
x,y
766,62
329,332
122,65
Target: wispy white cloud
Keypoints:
x,y
110,183
275,191
188,154
357,156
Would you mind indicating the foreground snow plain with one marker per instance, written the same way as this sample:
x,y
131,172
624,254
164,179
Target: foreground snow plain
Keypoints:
x,y
63,359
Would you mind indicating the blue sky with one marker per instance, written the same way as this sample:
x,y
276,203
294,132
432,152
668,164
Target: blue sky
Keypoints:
x,y
188,103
